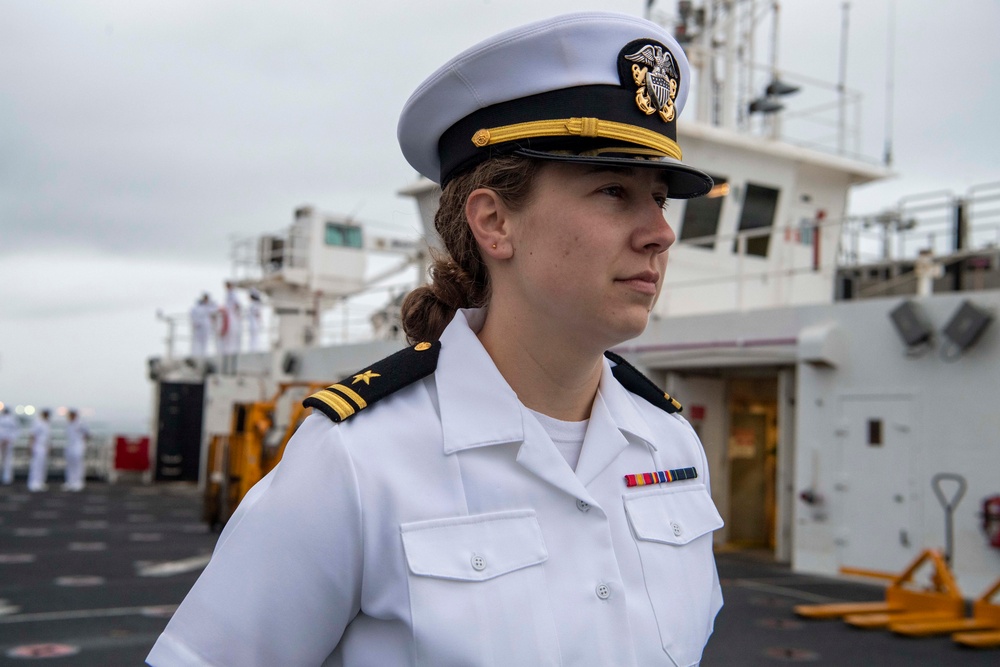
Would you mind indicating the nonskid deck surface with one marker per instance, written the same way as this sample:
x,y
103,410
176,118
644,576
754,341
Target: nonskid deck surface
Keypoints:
x,y
90,579
757,626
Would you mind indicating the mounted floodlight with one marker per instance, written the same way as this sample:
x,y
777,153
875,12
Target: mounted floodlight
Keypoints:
x,y
718,190
910,325
766,105
966,325
779,88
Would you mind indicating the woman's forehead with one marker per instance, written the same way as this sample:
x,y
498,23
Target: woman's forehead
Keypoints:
x,y
570,168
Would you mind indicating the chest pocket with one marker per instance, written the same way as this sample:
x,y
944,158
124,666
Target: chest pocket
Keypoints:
x,y
673,529
478,591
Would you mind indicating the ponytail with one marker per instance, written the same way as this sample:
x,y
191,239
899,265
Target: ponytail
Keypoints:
x,y
459,277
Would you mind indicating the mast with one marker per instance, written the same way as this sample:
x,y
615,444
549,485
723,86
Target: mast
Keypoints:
x,y
842,83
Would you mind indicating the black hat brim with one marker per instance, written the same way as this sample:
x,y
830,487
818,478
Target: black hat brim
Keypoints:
x,y
683,181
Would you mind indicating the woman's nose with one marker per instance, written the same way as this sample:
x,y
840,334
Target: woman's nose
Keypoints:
x,y
655,234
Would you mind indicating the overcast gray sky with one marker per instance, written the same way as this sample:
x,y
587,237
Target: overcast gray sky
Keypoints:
x,y
137,138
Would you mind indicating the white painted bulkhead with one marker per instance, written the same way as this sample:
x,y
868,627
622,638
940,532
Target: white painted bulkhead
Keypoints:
x,y
846,377
722,273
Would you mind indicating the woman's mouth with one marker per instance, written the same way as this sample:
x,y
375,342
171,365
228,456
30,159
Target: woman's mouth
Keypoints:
x,y
644,282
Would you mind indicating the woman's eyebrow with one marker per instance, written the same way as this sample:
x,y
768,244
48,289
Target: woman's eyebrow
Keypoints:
x,y
601,168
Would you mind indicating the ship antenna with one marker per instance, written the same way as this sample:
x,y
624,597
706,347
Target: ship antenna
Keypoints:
x,y
890,83
842,84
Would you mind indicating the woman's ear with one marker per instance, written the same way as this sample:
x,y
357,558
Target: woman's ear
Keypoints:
x,y
490,223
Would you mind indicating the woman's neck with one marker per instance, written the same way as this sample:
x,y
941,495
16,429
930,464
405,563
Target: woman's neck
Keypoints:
x,y
548,373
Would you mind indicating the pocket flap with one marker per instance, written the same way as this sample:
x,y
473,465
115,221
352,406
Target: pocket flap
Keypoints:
x,y
474,548
674,516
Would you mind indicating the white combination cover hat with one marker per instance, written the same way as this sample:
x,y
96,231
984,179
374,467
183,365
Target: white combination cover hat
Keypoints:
x,y
590,87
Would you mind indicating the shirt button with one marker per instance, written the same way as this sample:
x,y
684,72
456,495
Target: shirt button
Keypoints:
x,y
603,591
583,506
677,528
478,563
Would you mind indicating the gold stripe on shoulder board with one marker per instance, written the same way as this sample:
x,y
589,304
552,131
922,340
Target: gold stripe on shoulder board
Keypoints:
x,y
339,405
354,393
351,394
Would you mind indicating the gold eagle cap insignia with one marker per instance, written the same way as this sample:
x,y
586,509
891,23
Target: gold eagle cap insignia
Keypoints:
x,y
365,377
657,79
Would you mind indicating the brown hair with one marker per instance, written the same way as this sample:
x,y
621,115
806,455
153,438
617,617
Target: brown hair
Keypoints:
x,y
459,277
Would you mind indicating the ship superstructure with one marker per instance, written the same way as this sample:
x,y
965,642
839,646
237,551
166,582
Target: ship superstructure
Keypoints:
x,y
833,365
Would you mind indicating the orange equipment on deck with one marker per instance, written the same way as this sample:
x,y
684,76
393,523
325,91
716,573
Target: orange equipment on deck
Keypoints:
x,y
985,616
254,445
942,601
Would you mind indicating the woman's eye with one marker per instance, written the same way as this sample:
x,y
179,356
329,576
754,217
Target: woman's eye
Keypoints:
x,y
662,201
615,191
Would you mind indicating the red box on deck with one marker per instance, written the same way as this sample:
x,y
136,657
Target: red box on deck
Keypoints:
x,y
132,453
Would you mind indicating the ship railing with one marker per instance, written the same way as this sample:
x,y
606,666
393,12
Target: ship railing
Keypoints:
x,y
940,223
178,341
801,234
256,257
804,110
958,232
347,320
97,459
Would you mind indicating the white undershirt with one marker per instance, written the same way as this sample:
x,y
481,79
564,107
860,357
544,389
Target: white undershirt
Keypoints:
x,y
567,436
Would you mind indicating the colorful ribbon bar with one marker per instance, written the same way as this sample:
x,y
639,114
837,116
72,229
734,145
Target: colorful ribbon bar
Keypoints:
x,y
660,477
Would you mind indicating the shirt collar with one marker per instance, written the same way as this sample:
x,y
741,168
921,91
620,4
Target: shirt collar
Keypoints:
x,y
478,407
623,409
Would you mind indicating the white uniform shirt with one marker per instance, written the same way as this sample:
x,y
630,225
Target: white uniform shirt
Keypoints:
x,y
10,427
443,527
233,324
40,430
201,315
76,433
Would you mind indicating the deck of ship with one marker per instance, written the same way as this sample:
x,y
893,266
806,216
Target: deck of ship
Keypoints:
x,y
91,579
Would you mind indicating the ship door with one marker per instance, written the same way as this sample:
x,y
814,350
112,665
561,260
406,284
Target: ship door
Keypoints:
x,y
178,436
875,482
752,458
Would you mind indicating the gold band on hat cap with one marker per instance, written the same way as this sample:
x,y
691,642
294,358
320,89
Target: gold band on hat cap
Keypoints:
x,y
578,127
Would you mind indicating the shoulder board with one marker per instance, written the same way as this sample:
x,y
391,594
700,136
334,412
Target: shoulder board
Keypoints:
x,y
637,383
356,392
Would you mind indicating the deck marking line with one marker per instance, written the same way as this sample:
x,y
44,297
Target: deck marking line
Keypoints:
x,y
781,590
171,567
75,614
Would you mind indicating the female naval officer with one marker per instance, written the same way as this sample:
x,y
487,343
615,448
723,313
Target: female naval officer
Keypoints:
x,y
502,492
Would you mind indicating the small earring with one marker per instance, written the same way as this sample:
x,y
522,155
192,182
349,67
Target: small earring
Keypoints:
x,y
494,246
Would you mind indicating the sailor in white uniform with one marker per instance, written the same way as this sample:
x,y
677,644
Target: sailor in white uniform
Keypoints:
x,y
38,469
10,428
203,314
231,330
503,491
77,435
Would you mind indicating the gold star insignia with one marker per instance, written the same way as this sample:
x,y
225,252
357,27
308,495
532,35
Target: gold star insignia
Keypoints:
x,y
365,377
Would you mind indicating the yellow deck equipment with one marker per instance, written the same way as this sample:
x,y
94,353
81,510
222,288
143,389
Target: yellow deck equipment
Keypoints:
x,y
942,600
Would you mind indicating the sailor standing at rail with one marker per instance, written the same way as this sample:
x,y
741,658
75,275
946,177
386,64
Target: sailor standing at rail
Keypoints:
x,y
202,323
504,491
38,469
231,330
10,428
77,435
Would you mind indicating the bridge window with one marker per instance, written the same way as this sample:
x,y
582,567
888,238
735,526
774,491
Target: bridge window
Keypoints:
x,y
345,236
701,215
759,206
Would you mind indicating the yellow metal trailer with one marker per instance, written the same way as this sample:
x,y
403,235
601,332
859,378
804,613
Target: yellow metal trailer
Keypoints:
x,y
253,447
942,600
